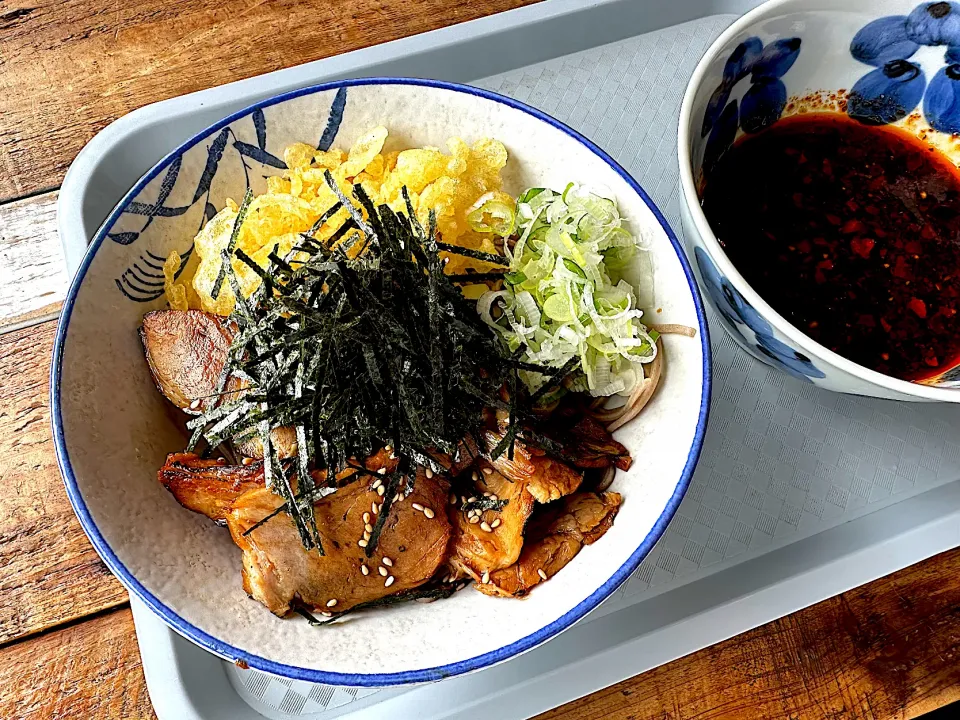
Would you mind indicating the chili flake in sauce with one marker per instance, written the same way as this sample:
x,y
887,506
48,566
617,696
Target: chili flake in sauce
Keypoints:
x,y
852,233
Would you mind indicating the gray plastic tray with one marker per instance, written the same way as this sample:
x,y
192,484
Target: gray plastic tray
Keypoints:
x,y
800,494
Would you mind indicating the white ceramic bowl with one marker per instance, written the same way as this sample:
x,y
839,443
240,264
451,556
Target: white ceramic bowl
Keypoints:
x,y
808,45
112,428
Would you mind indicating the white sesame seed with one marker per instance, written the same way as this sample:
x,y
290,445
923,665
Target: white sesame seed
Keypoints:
x,y
495,523
453,499
542,574
366,518
327,614
379,507
195,404
368,527
418,506
364,569
383,571
388,562
331,603
390,581
485,526
472,498
429,513
474,520
366,535
475,476
221,461
428,472
376,483
381,490
485,578
393,456
487,471
247,461
382,471
486,494
493,496
373,508
362,543
388,448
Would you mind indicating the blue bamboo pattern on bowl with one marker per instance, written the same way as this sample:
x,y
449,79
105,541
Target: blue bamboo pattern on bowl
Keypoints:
x,y
143,281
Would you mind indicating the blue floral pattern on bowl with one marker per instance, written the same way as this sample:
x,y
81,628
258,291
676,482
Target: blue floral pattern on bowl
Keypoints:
x,y
763,102
896,87
735,309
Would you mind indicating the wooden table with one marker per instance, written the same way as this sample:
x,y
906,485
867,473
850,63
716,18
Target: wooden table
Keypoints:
x,y
67,646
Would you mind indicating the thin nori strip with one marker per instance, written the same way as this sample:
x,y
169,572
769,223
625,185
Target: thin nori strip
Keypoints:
x,y
231,244
475,254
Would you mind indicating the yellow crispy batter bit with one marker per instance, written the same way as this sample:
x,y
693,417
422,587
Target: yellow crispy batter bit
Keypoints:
x,y
450,184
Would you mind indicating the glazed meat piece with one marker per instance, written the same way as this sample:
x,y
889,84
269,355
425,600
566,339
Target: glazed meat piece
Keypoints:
x,y
278,572
545,478
587,444
553,540
209,486
186,351
494,540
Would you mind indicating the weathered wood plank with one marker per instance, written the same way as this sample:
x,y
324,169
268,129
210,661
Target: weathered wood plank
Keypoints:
x,y
33,276
67,69
885,651
87,670
49,573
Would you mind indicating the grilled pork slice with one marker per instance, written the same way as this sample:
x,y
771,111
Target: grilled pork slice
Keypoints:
x,y
588,444
553,540
478,547
545,478
186,351
278,572
208,486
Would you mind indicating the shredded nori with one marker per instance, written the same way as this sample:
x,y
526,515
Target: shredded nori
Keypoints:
x,y
357,353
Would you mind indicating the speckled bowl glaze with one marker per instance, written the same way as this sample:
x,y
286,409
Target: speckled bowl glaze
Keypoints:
x,y
789,56
112,428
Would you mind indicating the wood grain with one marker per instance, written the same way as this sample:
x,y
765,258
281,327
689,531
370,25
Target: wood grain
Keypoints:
x,y
884,651
69,68
87,670
33,275
49,573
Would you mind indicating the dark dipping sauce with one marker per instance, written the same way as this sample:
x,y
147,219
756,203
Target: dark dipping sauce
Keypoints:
x,y
852,233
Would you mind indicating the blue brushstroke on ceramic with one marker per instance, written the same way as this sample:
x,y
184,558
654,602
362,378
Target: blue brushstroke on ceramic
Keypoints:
x,y
935,23
721,136
735,309
741,60
891,92
883,40
776,59
941,104
762,104
887,94
140,286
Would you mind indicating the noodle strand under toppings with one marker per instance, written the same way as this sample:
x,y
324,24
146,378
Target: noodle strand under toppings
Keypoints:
x,y
359,343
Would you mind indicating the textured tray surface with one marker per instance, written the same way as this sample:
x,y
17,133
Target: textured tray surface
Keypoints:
x,y
782,460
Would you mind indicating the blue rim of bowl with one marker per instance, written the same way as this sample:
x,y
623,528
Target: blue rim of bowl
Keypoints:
x,y
234,654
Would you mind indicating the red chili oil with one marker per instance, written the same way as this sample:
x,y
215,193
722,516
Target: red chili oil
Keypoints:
x,y
852,233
